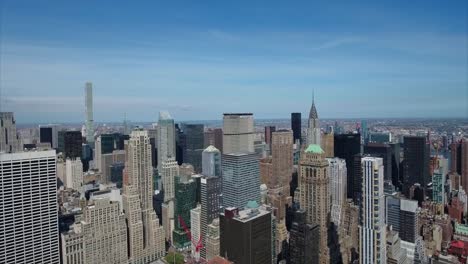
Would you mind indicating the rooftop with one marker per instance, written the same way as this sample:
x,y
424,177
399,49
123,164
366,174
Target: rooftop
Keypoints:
x,y
314,148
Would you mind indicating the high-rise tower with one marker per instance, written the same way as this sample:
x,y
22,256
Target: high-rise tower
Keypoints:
x,y
238,133
314,195
9,140
313,131
89,113
146,236
28,211
372,231
166,138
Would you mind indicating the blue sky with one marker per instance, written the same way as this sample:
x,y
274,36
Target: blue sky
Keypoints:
x,y
198,59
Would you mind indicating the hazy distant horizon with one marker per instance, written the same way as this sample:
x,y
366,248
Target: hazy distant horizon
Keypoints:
x,y
197,60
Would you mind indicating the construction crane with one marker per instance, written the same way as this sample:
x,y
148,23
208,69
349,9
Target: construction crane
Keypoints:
x,y
197,245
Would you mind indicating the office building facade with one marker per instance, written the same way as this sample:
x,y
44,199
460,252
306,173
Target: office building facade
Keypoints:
x,y
211,204
372,231
313,130
303,247
241,179
238,133
29,208
246,235
416,162
70,144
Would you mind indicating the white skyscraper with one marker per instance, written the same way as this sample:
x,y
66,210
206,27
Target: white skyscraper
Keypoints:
x,y
211,161
337,176
313,130
166,138
238,133
74,174
89,113
145,235
28,208
372,232
195,228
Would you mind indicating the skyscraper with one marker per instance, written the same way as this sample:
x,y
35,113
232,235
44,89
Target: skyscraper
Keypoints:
x,y
212,241
346,147
464,164
49,134
268,131
105,233
211,161
328,140
89,114
303,247
337,177
9,140
211,204
416,162
194,145
372,231
74,174
28,211
241,179
383,151
282,159
314,194
195,227
70,143
313,131
214,136
246,235
296,126
185,200
145,236
169,171
166,138
238,133
409,214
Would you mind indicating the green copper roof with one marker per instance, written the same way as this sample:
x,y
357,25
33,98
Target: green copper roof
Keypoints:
x,y
314,149
252,204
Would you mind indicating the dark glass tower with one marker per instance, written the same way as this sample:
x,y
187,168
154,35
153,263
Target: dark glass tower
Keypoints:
x,y
416,162
296,125
383,151
246,237
194,136
70,143
346,146
45,135
303,247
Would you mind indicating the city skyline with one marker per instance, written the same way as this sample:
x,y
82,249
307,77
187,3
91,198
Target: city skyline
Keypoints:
x,y
352,55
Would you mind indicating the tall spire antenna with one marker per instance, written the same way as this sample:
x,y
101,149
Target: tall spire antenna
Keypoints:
x,y
313,96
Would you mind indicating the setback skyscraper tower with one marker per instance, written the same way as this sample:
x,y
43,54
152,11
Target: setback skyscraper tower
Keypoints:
x,y
146,237
89,114
314,195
